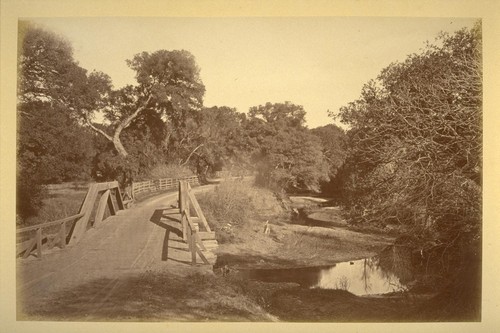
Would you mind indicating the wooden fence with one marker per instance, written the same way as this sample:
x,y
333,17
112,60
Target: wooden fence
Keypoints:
x,y
60,233
151,186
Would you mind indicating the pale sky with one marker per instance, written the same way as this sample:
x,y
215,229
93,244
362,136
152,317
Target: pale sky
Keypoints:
x,y
319,63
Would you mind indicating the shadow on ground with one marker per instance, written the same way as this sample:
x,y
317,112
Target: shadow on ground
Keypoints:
x,y
148,297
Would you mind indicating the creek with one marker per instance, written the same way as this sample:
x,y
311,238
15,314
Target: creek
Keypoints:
x,y
391,271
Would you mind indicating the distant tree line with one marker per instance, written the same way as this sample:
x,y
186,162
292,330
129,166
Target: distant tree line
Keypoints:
x,y
74,125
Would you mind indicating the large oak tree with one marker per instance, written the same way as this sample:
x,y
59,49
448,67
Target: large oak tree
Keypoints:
x,y
168,83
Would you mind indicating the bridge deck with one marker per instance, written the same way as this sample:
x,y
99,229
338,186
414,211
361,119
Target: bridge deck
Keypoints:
x,y
144,238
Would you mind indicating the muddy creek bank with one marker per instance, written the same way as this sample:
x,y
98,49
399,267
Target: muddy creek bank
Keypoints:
x,y
309,269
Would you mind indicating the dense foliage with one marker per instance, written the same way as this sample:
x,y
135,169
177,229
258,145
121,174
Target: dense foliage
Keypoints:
x,y
287,155
52,146
415,144
334,147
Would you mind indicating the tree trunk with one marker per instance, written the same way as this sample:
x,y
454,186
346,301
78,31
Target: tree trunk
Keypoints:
x,y
115,139
119,146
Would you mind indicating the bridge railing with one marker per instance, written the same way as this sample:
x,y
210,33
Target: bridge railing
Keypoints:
x,y
190,227
33,237
157,185
60,233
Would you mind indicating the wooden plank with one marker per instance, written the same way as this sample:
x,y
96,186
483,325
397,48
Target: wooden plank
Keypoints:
x,y
184,208
51,240
88,204
22,246
48,224
111,205
119,199
126,203
198,210
199,241
193,238
209,235
106,186
211,244
62,236
30,248
39,243
192,247
101,208
191,223
202,256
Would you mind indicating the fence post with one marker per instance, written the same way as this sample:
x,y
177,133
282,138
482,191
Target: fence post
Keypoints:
x,y
183,207
101,208
62,235
39,243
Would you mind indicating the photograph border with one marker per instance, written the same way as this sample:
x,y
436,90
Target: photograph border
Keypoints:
x,y
12,11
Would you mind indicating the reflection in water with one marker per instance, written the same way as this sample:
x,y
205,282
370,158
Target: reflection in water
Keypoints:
x,y
360,277
388,272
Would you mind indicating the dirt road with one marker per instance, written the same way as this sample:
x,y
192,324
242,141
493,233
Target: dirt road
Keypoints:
x,y
124,245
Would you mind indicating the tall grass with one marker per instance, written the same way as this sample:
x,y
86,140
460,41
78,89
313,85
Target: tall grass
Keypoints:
x,y
231,202
235,205
60,202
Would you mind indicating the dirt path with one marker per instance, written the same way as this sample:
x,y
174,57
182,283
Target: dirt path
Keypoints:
x,y
124,245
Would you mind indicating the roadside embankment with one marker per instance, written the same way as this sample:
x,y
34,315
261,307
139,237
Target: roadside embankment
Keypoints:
x,y
255,231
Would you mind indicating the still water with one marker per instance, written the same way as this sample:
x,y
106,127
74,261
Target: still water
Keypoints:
x,y
376,275
360,277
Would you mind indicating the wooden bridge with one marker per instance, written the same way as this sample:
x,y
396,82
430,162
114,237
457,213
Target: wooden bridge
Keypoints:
x,y
167,232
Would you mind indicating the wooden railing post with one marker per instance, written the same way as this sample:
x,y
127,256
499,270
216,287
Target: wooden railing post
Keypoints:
x,y
101,208
197,208
81,225
39,242
62,235
183,208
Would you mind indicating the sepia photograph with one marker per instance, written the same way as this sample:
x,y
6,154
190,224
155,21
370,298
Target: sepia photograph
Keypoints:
x,y
281,169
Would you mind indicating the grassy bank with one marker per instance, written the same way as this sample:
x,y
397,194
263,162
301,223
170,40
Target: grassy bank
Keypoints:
x,y
239,212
